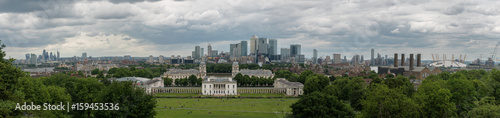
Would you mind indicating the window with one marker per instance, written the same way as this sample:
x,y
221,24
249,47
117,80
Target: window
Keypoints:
x,y
233,87
204,86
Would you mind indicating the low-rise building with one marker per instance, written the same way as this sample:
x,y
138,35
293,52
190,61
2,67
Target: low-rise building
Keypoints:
x,y
145,83
219,86
292,88
185,73
256,73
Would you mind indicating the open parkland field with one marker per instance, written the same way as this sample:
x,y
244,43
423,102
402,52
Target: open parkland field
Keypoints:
x,y
223,108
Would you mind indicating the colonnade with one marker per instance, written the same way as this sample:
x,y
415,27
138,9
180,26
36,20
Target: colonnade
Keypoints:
x,y
176,90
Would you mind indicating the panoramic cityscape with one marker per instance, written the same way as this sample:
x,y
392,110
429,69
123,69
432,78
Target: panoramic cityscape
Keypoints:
x,y
241,58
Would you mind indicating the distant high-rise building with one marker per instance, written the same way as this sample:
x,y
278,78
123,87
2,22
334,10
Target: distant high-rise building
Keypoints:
x,y
44,54
328,60
214,53
28,56
150,60
197,52
295,50
253,44
285,54
273,47
209,52
202,52
58,56
84,55
33,59
161,59
315,56
244,48
372,61
263,46
336,59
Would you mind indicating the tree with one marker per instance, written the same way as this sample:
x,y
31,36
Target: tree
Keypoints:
x,y
463,94
315,83
95,71
383,102
320,105
132,101
199,81
167,81
487,108
400,82
239,78
193,80
9,77
112,70
303,76
435,100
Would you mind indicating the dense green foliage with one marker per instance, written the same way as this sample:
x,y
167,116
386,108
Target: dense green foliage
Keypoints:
x,y
321,105
252,81
133,72
472,93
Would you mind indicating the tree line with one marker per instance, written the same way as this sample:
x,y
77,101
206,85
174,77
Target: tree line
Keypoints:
x,y
472,93
253,81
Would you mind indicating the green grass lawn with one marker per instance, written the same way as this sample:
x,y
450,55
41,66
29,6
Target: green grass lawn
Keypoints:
x,y
262,95
245,108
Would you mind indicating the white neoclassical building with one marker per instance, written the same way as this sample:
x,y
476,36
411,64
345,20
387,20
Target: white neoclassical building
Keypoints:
x,y
185,73
256,73
145,83
291,88
219,86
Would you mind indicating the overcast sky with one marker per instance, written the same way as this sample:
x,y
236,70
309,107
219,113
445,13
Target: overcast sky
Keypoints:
x,y
174,27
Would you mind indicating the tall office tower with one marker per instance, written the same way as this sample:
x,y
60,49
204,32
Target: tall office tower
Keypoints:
x,y
263,46
386,60
372,61
231,49
235,51
253,45
345,58
244,48
379,60
33,59
160,59
295,50
28,56
150,60
51,56
84,55
214,53
285,54
328,60
58,56
273,47
315,56
43,54
202,53
197,52
362,60
336,59
209,52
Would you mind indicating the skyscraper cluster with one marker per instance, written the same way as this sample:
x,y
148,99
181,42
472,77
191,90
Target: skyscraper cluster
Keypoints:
x,y
46,56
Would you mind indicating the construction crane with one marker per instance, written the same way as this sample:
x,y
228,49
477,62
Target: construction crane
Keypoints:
x,y
495,51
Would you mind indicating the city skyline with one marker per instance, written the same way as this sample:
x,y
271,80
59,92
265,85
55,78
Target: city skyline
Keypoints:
x,y
143,28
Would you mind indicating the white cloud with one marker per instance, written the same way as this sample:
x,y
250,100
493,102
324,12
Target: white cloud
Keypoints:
x,y
327,25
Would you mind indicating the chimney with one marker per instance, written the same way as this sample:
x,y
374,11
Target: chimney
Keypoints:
x,y
403,59
395,59
411,61
419,58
